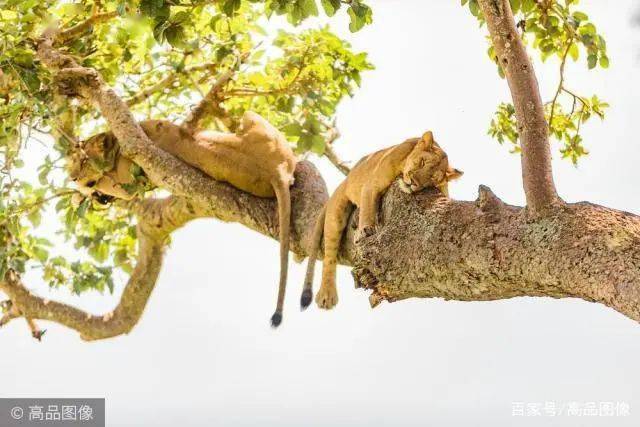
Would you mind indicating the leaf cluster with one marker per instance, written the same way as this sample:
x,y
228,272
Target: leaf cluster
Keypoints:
x,y
554,28
161,56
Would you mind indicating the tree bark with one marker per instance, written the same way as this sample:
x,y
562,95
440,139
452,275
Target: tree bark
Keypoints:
x,y
487,250
91,327
537,175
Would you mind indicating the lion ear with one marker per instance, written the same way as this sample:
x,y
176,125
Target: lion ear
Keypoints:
x,y
108,142
110,150
426,142
453,174
250,120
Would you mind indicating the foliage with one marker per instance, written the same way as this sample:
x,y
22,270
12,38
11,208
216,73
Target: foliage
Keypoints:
x,y
171,52
554,28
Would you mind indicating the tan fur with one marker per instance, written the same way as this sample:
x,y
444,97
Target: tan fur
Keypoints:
x,y
420,162
256,159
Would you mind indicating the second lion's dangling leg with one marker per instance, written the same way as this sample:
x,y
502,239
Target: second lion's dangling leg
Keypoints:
x,y
338,211
284,218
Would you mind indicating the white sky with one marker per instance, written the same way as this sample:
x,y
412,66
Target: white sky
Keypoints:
x,y
204,354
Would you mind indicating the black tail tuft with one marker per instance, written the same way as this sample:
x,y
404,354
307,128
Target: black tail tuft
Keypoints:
x,y
276,319
305,299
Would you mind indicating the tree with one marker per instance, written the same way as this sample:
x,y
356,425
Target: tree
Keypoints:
x,y
155,56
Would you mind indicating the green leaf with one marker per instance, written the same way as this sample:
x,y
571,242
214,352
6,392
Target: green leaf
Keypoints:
x,y
35,217
63,203
155,9
579,16
474,8
292,129
330,6
230,7
360,15
121,8
82,209
41,253
309,8
318,144
175,36
574,52
528,6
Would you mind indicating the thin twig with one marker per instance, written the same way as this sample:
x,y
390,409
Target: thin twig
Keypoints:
x,y
250,92
71,33
210,104
166,83
561,83
575,96
39,202
333,135
36,332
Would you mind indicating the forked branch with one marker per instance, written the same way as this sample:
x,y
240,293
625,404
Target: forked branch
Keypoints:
x,y
210,103
166,83
537,174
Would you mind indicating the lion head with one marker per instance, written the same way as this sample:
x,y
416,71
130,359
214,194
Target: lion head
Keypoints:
x,y
427,166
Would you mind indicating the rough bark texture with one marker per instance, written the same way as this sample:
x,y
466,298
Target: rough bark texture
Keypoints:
x,y
487,250
537,175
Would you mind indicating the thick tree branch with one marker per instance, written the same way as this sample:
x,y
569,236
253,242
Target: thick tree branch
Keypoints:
x,y
512,56
92,327
486,250
426,246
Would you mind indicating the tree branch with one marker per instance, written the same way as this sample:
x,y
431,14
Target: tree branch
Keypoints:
x,y
536,154
426,246
334,134
92,327
166,83
75,31
10,312
156,220
560,83
210,104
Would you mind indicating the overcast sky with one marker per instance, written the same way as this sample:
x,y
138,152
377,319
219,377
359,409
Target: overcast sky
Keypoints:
x,y
203,353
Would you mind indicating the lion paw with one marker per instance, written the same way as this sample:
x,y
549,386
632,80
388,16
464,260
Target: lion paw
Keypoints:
x,y
327,297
